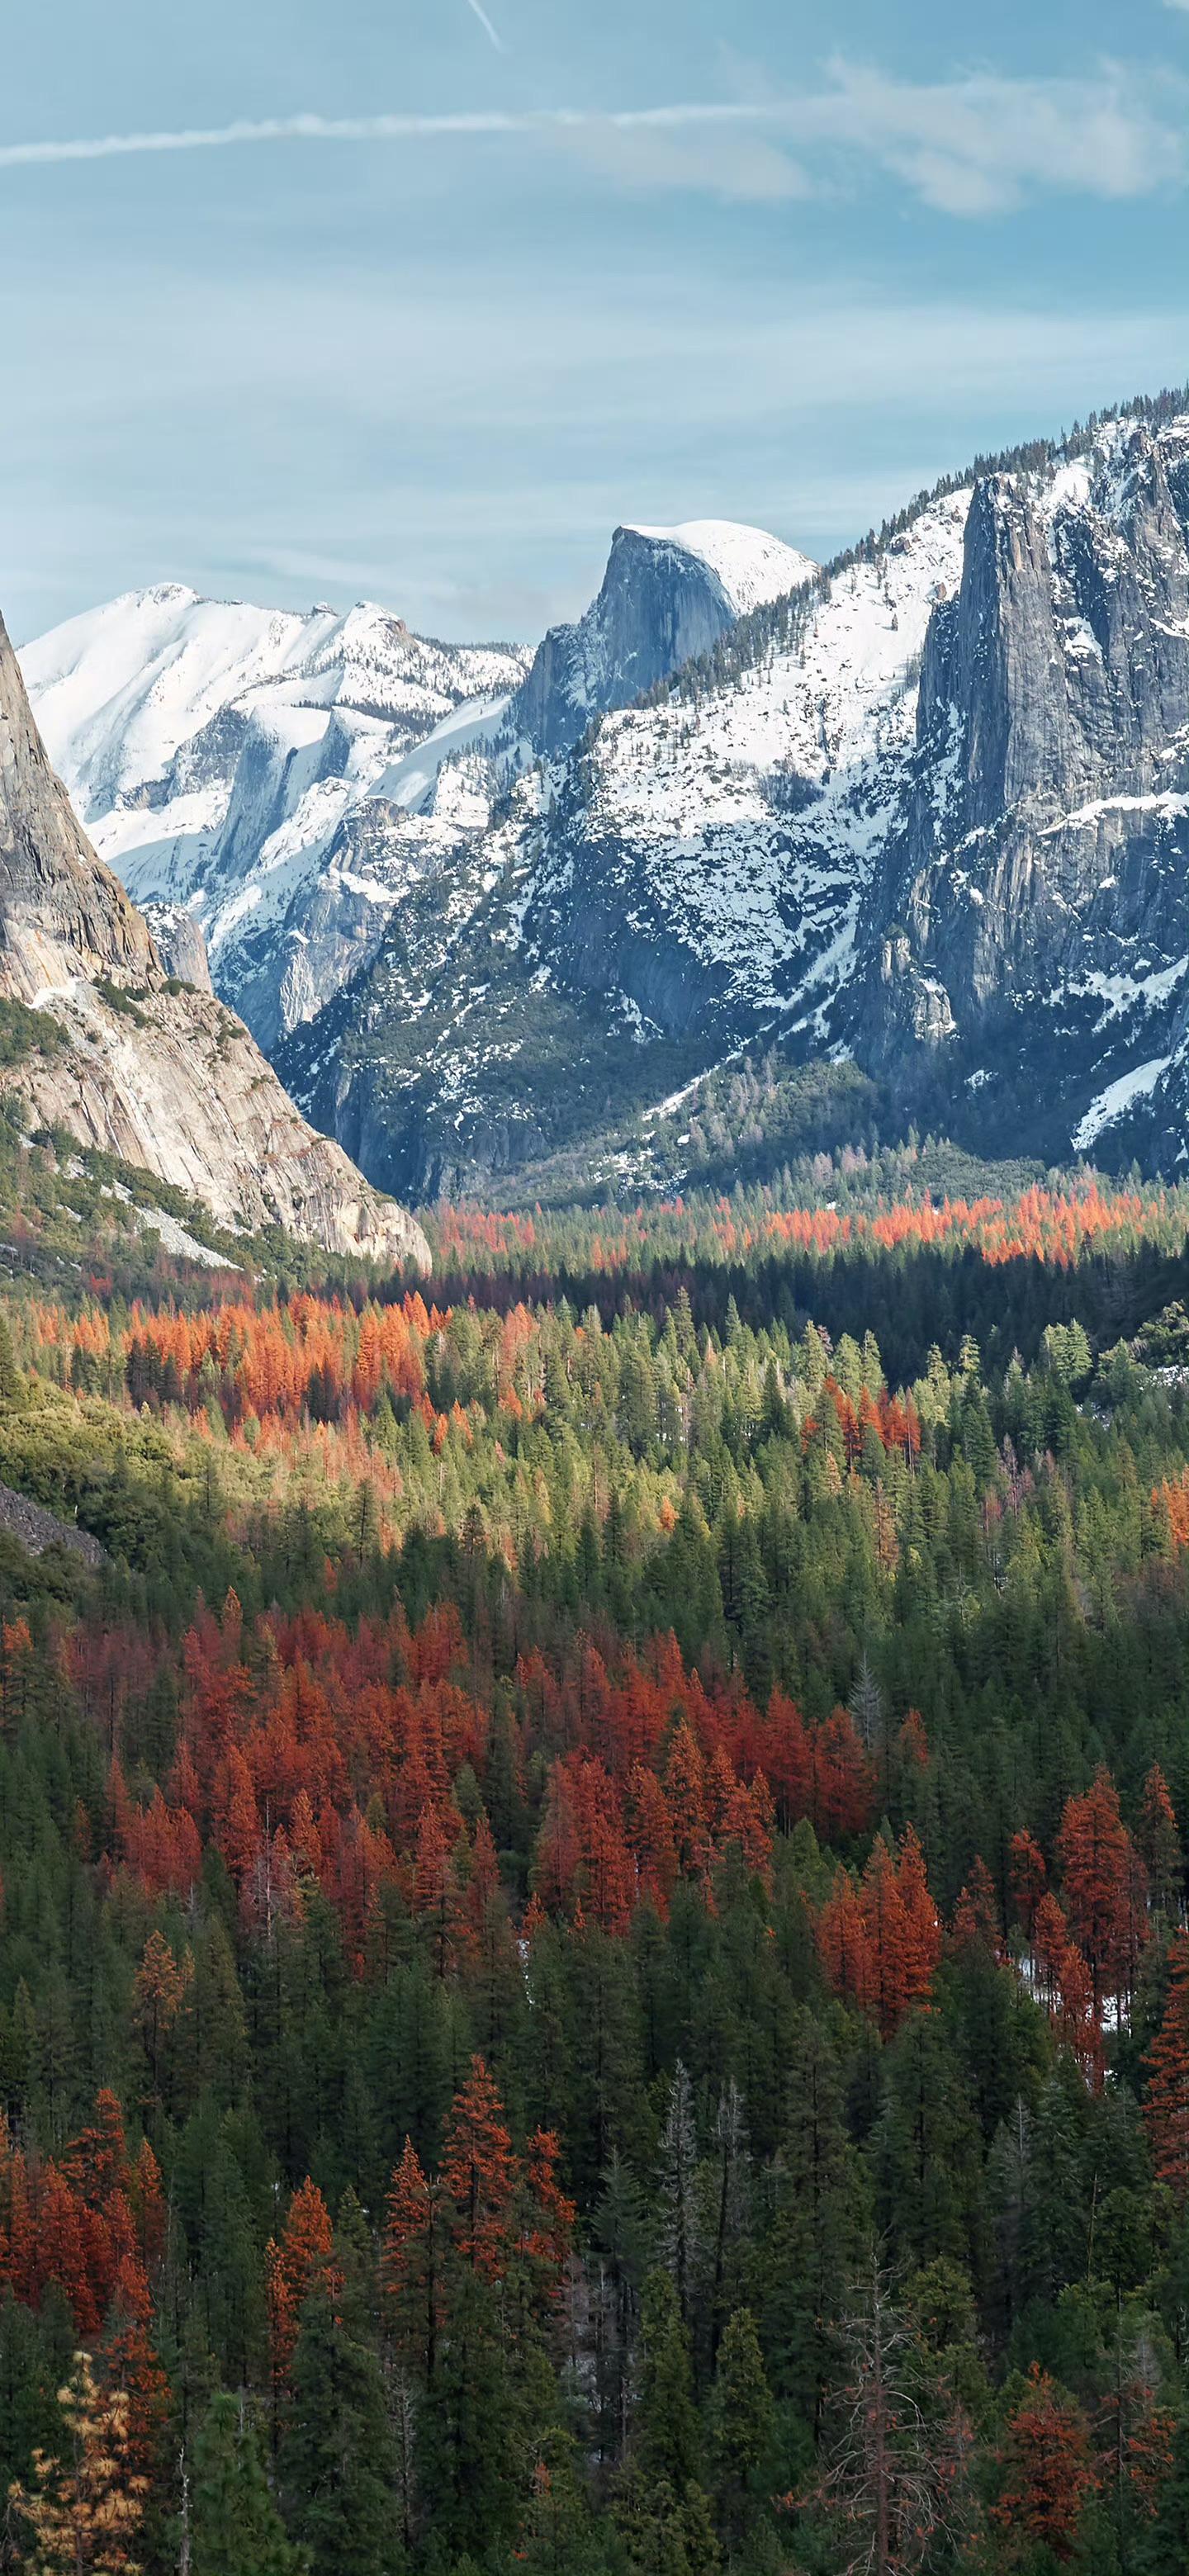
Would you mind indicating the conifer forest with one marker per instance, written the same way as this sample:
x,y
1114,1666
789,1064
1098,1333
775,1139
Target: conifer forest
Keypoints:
x,y
593,1960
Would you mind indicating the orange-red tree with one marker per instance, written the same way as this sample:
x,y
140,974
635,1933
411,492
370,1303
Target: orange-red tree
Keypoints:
x,y
301,2261
411,2263
1098,1866
1166,2102
1049,2475
479,2173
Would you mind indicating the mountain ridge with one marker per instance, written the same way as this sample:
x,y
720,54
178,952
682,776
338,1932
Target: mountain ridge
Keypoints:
x,y
922,810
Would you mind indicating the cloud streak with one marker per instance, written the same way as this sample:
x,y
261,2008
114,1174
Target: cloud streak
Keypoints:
x,y
313,128
478,11
975,146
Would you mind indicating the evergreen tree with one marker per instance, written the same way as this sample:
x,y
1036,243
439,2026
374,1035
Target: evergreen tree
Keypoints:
x,y
336,2463
234,2526
742,2420
667,2435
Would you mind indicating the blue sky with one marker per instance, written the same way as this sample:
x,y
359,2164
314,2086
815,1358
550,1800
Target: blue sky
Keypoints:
x,y
435,367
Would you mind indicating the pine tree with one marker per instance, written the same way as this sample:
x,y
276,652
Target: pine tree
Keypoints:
x,y
1160,1844
12,1384
1049,2477
821,2224
336,2464
742,2419
651,2526
678,2228
235,2529
667,2436
927,2144
1166,2102
558,2539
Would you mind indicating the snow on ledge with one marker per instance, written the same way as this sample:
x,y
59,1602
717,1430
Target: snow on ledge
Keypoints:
x,y
1117,1098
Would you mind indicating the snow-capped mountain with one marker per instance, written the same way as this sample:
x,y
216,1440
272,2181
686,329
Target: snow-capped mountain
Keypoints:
x,y
667,594
221,755
285,780
926,810
929,811
690,874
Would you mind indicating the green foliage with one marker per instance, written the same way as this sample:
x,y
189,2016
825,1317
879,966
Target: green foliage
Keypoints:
x,y
119,998
24,1033
336,2463
235,2529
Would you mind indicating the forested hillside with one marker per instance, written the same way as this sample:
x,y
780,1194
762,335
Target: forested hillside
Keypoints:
x,y
593,1972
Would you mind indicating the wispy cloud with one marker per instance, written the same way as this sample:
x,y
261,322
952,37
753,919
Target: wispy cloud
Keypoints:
x,y
478,11
980,144
983,143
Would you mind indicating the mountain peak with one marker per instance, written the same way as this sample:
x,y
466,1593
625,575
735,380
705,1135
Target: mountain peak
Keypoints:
x,y
668,594
752,566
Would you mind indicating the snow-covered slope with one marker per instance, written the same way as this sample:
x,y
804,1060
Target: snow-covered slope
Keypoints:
x,y
218,754
713,848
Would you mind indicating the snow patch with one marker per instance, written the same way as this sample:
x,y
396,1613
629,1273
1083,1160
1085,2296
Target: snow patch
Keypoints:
x,y
1117,1098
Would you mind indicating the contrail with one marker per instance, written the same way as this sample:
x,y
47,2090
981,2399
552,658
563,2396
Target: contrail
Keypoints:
x,y
380,129
485,22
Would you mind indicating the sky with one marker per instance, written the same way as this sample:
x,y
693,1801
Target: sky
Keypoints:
x,y
417,300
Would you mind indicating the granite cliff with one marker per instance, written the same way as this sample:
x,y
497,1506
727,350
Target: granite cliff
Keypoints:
x,y
149,1068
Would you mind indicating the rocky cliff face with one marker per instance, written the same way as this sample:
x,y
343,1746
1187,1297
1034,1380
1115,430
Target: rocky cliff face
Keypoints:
x,y
61,913
162,1075
668,594
178,940
1038,882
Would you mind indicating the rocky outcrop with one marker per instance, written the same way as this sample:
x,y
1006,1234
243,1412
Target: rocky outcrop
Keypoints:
x,y
36,1529
173,1084
1052,736
156,1072
178,940
61,913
